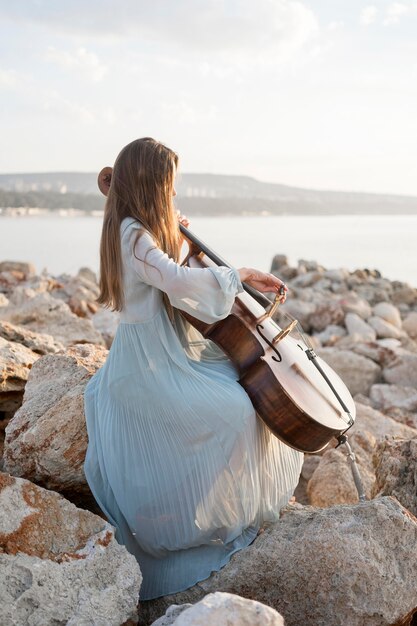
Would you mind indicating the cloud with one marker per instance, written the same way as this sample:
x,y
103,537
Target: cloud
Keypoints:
x,y
8,78
80,60
368,15
55,103
264,29
396,10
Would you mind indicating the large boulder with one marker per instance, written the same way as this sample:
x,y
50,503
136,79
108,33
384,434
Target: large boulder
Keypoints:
x,y
79,292
46,440
347,564
332,481
16,362
395,463
378,425
60,564
43,313
37,342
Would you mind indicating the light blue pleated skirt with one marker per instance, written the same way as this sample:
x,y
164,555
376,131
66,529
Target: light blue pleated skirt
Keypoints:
x,y
177,459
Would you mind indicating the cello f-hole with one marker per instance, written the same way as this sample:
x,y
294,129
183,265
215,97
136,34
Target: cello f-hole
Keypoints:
x,y
278,356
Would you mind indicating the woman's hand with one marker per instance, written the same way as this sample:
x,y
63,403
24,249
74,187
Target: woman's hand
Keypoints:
x,y
263,282
183,219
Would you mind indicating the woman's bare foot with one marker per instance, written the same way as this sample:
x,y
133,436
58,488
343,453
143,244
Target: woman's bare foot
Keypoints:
x,y
260,531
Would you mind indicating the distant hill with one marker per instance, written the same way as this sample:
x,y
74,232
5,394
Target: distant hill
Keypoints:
x,y
201,194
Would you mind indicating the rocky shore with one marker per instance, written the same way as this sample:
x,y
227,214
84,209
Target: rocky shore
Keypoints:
x,y
330,560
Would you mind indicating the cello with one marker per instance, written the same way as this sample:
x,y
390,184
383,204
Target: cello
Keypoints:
x,y
298,396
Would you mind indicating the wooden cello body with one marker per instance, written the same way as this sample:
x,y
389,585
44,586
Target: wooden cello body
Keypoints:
x,y
298,396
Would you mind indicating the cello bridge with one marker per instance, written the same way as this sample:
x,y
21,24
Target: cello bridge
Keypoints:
x,y
284,332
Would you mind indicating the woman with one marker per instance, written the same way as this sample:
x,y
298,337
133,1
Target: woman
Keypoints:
x,y
177,459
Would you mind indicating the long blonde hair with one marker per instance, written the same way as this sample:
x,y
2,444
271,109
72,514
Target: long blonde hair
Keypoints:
x,y
141,187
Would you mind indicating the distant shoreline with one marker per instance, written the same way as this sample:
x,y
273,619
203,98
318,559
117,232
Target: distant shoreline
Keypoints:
x,y
72,212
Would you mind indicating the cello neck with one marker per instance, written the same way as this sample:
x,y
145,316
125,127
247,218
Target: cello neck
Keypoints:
x,y
257,295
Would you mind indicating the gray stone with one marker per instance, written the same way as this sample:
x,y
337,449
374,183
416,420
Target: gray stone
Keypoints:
x,y
344,565
379,425
410,324
300,310
357,327
331,335
327,313
395,463
28,269
46,440
60,564
37,342
279,261
402,371
337,275
404,294
306,279
87,274
171,614
332,482
386,397
357,372
43,313
353,304
3,301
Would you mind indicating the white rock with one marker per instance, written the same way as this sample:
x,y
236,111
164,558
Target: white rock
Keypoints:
x,y
16,362
227,609
385,397
385,329
402,371
331,335
3,301
337,275
388,312
352,303
379,425
37,342
300,310
171,614
358,327
410,324
328,312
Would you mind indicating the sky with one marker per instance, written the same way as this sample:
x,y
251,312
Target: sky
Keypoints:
x,y
318,94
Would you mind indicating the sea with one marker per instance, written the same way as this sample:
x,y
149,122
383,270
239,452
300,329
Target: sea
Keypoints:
x,y
388,243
